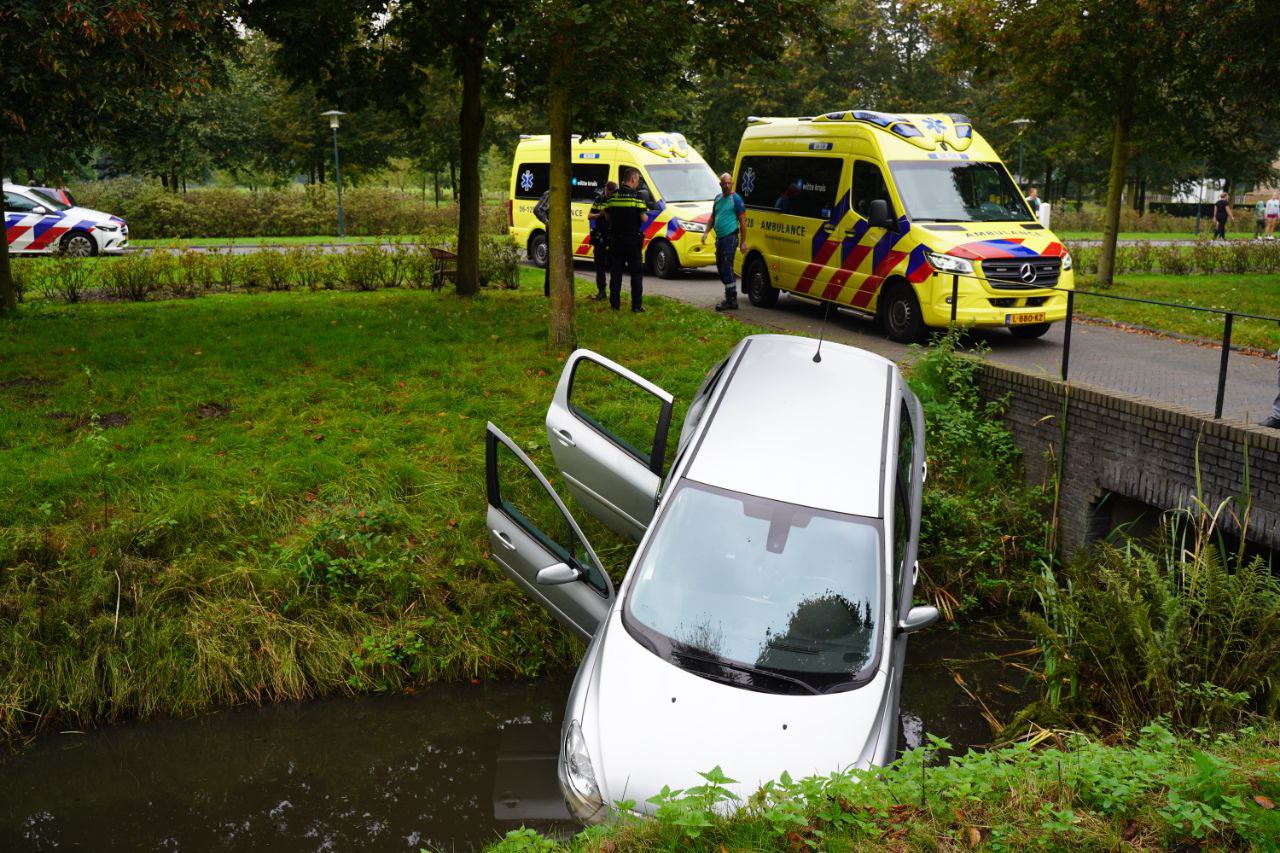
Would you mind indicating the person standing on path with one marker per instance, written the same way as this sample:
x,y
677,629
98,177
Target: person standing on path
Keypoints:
x,y
1222,215
1273,213
600,238
1259,219
625,211
542,212
728,221
1033,199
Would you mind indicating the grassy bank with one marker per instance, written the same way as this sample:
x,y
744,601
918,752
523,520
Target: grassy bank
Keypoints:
x,y
314,239
1252,294
1158,792
1153,235
261,497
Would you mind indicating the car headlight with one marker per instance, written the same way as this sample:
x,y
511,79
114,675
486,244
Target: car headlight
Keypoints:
x,y
106,227
694,227
949,263
1066,261
577,765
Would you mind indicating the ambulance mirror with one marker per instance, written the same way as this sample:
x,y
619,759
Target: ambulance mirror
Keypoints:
x,y
879,214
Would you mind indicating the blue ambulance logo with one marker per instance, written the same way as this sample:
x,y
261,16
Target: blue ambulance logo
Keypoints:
x,y
935,125
748,182
526,180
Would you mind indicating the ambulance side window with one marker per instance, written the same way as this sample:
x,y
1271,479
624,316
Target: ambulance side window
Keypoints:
x,y
532,180
798,186
588,179
868,185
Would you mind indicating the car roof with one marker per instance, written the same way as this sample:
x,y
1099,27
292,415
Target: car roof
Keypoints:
x,y
791,429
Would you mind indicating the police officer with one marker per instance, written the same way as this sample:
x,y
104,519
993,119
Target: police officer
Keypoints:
x,y
600,237
626,210
542,212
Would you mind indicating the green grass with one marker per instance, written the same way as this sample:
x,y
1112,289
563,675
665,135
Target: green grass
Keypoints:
x,y
269,241
1157,792
284,493
1153,235
1251,294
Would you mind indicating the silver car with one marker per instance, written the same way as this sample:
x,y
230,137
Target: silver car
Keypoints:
x,y
762,623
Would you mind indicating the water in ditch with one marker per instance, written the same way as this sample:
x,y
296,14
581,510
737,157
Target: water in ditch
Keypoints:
x,y
449,767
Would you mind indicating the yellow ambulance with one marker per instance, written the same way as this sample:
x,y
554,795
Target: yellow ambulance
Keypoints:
x,y
891,216
678,182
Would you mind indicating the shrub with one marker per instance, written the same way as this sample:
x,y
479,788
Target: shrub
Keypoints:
x,y
193,274
1172,260
275,267
128,277
499,262
308,266
982,528
68,278
418,265
1174,628
23,272
225,268
364,268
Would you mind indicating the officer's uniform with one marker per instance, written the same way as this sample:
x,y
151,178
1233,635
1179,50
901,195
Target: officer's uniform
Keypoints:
x,y
600,243
542,212
626,210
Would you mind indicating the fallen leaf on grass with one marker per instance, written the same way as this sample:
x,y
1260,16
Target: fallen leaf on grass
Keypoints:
x,y
1265,802
318,437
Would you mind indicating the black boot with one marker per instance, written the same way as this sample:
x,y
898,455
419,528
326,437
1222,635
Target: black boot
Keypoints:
x,y
729,303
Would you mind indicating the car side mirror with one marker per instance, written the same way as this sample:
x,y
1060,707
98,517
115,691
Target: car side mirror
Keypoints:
x,y
918,618
39,209
560,573
879,214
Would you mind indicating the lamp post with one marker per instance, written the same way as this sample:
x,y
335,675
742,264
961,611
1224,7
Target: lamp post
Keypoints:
x,y
1022,126
332,115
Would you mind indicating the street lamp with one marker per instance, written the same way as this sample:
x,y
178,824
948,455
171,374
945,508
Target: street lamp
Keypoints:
x,y
332,115
1022,126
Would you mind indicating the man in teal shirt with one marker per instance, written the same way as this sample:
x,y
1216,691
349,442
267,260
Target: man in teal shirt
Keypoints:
x,y
729,222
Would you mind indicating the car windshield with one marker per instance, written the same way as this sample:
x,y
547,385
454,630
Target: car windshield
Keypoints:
x,y
762,594
951,191
684,181
49,200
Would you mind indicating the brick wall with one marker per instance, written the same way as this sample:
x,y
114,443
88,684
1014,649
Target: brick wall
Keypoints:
x,y
1136,448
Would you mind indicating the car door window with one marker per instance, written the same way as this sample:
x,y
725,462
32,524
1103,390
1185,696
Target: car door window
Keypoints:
x,y
796,186
518,493
869,184
902,502
18,203
532,180
619,409
588,180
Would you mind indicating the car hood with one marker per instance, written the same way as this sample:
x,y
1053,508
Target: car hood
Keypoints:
x,y
660,725
87,216
988,240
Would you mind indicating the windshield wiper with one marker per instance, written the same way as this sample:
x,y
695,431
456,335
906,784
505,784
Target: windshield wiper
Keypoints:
x,y
746,668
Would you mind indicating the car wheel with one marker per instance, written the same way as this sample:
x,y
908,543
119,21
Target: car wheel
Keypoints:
x,y
538,251
760,290
663,261
78,244
900,315
1031,330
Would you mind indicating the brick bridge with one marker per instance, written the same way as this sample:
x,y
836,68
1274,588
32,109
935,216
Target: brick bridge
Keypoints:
x,y
1122,455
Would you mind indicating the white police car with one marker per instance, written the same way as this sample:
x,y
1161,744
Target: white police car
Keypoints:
x,y
37,222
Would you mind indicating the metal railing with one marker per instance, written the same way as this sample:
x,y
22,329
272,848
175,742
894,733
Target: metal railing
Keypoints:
x,y
1228,323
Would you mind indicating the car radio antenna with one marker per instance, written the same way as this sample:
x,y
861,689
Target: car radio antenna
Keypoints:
x,y
817,356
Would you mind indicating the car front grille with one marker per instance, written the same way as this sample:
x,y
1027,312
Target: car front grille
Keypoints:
x,y
1023,273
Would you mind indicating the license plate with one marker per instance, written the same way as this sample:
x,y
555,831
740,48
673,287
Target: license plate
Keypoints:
x,y
1019,319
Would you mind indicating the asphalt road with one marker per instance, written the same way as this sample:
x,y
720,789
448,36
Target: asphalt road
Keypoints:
x,y
1157,368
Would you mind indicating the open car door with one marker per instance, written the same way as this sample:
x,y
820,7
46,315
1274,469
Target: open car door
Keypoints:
x,y
536,541
608,430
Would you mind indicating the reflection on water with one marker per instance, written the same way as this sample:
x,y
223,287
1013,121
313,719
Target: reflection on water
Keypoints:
x,y
451,767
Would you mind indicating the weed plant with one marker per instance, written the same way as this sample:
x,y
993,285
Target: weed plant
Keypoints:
x,y
982,527
1176,627
1162,791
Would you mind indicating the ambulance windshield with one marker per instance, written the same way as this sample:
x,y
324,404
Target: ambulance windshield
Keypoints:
x,y
951,191
684,181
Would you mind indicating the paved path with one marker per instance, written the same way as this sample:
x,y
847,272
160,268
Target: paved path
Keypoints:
x,y
1162,369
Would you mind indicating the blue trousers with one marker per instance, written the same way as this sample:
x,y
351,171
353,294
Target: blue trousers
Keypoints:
x,y
726,248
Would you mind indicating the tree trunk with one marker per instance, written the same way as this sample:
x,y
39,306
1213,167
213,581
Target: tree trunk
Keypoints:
x,y
1115,189
435,181
1142,196
453,175
561,336
8,292
472,123
164,180
1048,180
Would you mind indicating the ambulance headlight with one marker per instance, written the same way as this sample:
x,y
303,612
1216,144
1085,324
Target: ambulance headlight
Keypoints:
x,y
578,771
949,263
1066,261
693,227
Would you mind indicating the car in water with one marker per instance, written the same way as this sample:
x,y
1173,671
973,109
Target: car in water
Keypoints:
x,y
39,222
762,623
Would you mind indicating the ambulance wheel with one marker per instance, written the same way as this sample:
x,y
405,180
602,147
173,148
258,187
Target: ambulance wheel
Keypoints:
x,y
538,250
663,261
1031,330
900,315
760,290
78,244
